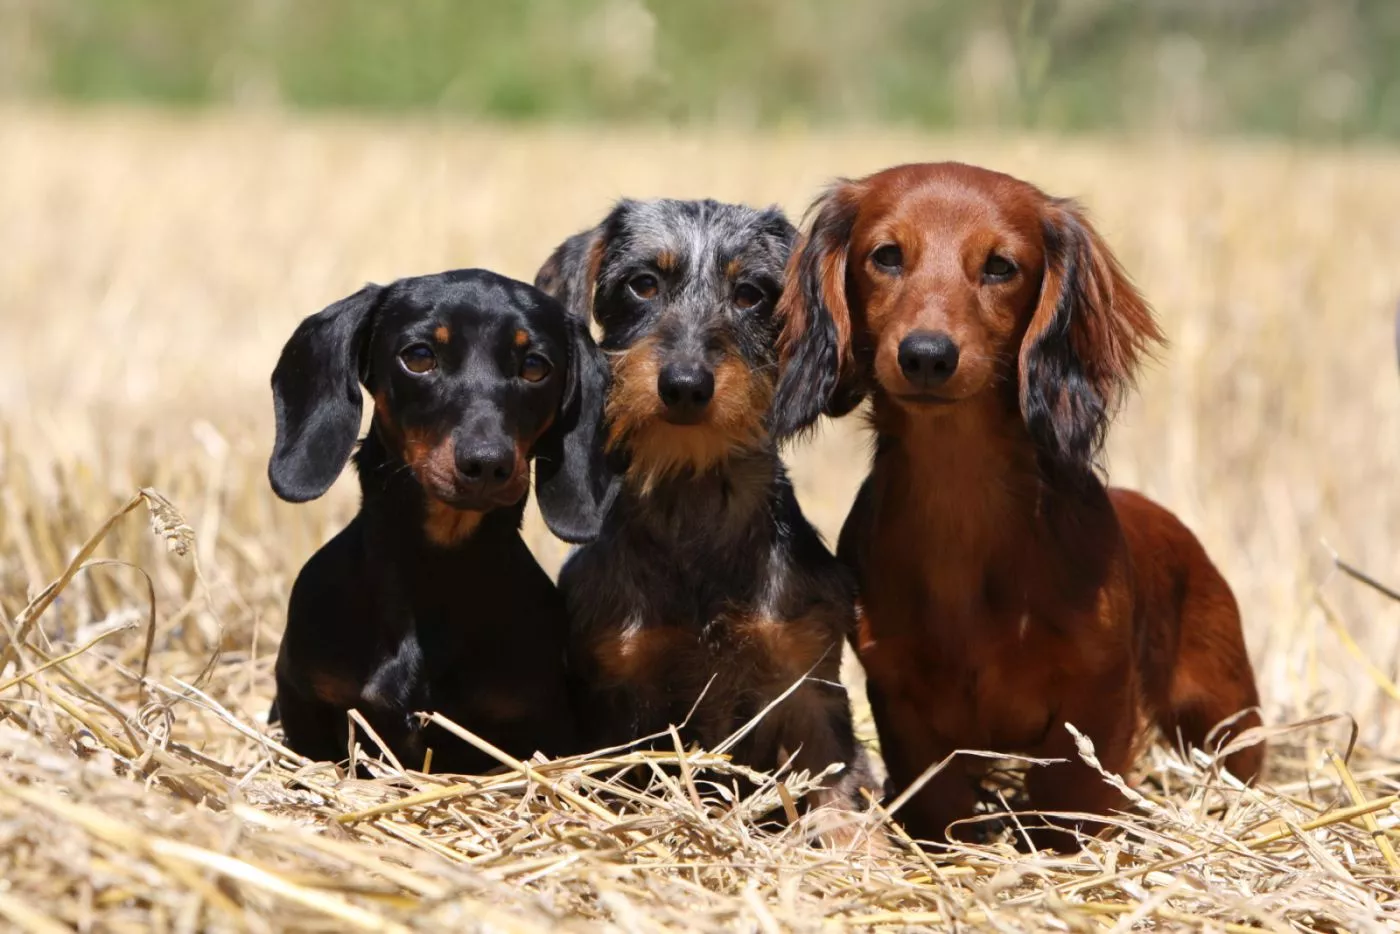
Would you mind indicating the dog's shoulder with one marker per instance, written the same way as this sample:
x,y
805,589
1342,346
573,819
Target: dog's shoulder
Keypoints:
x,y
331,608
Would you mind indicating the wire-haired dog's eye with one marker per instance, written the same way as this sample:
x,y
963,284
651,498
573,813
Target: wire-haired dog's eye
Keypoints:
x,y
998,269
888,257
746,296
418,358
534,368
644,286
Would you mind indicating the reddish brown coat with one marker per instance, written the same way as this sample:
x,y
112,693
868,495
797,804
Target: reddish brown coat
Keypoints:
x,y
1005,592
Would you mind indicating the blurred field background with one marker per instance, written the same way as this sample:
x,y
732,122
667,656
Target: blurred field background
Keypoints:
x,y
1316,68
180,184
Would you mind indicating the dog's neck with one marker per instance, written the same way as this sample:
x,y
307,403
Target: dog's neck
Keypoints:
x,y
969,474
722,503
971,515
393,500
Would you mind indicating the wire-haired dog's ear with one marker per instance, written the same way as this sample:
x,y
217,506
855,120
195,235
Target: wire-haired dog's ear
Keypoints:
x,y
570,275
773,223
1089,330
573,483
316,397
818,370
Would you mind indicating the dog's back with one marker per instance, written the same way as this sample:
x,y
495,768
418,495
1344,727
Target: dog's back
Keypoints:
x,y
1195,667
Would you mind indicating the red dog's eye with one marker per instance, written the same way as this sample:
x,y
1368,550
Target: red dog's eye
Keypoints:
x,y
998,269
747,296
889,257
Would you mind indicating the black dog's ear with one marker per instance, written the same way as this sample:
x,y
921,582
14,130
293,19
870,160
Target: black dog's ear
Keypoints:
x,y
316,397
818,370
1081,350
573,482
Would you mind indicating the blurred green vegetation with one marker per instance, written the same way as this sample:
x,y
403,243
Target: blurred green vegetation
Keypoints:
x,y
1309,68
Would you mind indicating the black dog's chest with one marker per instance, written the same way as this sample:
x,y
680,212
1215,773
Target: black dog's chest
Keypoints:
x,y
477,687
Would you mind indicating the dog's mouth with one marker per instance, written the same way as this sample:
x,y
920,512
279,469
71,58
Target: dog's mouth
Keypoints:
x,y
468,498
923,399
478,503
683,419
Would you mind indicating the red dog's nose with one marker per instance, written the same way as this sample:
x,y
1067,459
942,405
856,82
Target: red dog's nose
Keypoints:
x,y
928,358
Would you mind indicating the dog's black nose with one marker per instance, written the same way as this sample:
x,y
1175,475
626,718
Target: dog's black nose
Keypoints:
x,y
928,358
486,465
685,389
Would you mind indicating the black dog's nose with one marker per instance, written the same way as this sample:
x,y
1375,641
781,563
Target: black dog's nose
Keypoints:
x,y
928,358
487,464
685,389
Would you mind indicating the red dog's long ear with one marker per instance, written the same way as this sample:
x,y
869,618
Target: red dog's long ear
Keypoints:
x,y
1090,329
818,371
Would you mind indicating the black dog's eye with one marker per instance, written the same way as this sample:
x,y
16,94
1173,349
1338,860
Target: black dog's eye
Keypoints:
x,y
418,358
534,368
747,296
889,257
644,286
998,269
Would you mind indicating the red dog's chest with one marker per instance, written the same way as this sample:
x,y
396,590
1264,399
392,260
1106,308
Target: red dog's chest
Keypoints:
x,y
997,691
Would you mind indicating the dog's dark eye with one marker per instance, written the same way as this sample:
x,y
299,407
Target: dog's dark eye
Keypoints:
x,y
998,269
889,257
418,358
644,286
747,296
534,368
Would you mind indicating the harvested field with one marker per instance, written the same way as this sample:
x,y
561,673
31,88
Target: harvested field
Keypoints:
x,y
150,269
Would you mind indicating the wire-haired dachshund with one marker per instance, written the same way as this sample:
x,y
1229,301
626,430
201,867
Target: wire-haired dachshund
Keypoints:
x,y
1005,592
706,587
429,599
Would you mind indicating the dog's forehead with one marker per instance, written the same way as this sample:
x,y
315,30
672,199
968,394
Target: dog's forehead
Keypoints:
x,y
949,196
693,231
475,300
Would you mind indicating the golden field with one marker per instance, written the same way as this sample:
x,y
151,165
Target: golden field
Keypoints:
x,y
150,269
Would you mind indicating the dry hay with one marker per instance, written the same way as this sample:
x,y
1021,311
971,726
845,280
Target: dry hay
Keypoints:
x,y
151,269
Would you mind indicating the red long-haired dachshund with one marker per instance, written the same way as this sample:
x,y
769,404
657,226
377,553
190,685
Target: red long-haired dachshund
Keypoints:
x,y
1005,592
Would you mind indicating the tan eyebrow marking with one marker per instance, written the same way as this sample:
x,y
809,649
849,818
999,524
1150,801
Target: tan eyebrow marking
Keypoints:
x,y
666,261
522,338
442,334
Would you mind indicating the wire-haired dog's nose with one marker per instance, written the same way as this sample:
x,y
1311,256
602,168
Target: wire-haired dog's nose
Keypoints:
x,y
685,389
487,464
928,358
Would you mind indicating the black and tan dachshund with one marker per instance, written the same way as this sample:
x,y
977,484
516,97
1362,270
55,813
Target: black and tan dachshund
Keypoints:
x,y
706,584
430,599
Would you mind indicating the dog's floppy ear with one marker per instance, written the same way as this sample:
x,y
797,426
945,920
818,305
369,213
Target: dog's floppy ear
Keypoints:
x,y
573,482
570,275
316,397
778,231
1089,330
818,370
